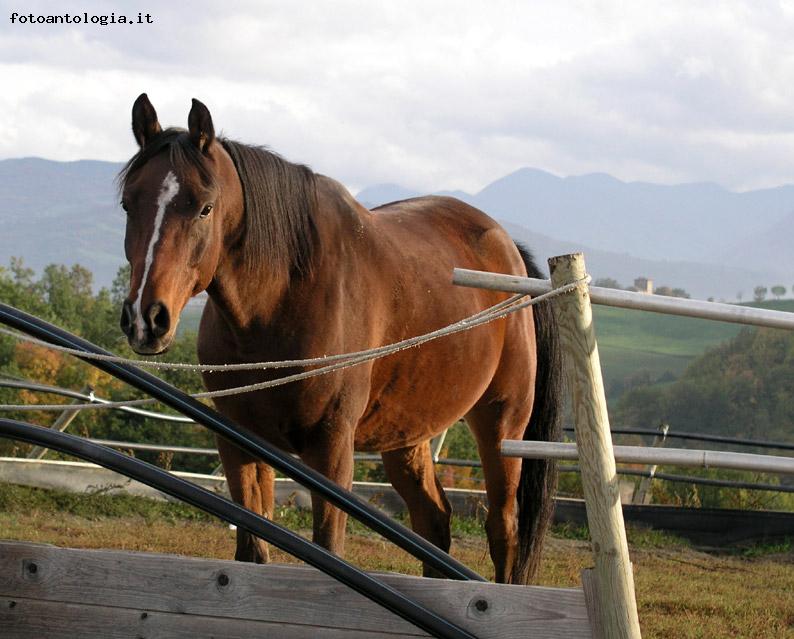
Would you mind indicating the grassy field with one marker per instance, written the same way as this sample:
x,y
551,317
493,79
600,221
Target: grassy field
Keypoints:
x,y
633,344
681,592
642,346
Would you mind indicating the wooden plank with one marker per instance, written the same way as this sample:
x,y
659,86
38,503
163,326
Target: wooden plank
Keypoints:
x,y
592,601
278,593
601,487
35,619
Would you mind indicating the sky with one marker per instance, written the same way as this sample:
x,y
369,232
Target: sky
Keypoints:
x,y
426,94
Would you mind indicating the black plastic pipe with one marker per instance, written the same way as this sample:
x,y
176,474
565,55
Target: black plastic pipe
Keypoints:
x,y
246,441
690,479
229,511
699,437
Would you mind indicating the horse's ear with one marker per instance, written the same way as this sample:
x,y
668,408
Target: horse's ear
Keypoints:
x,y
200,127
144,120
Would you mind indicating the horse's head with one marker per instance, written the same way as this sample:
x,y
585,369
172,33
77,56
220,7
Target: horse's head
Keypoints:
x,y
183,202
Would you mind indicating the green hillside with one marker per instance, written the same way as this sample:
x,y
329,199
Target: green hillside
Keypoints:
x,y
637,347
740,387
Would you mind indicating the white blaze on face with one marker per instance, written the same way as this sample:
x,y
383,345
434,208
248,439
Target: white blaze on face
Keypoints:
x,y
168,192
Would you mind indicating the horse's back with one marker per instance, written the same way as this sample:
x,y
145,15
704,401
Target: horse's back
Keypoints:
x,y
441,228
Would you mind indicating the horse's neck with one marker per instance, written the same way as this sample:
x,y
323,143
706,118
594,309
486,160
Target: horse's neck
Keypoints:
x,y
253,298
245,297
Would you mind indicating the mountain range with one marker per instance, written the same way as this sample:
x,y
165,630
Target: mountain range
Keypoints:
x,y
701,237
63,213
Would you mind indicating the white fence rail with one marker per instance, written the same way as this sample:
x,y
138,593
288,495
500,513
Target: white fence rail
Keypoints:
x,y
665,456
630,299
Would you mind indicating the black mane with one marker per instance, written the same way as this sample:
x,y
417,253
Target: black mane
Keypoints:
x,y
279,197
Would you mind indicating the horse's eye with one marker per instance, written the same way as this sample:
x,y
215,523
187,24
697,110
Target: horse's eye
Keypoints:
x,y
124,206
206,210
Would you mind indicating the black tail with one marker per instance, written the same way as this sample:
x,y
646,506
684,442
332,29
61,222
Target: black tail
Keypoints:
x,y
539,476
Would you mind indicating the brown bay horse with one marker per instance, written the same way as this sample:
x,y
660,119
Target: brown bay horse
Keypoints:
x,y
296,268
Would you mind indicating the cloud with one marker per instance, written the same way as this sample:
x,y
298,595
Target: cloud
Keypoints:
x,y
427,94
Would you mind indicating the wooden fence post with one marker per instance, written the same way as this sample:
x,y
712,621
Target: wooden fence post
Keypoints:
x,y
60,424
615,601
643,494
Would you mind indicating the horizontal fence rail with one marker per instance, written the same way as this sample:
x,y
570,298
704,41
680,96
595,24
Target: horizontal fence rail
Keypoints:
x,y
155,448
473,463
90,397
446,461
248,442
671,434
232,512
669,456
630,299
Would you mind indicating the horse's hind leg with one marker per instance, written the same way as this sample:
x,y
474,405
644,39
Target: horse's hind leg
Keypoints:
x,y
411,472
490,423
251,484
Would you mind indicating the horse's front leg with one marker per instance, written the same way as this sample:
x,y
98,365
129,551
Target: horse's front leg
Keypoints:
x,y
330,453
251,484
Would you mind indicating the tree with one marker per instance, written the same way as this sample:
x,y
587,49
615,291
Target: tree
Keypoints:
x,y
669,291
778,291
121,285
607,282
759,293
64,296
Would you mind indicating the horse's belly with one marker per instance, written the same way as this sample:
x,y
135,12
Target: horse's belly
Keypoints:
x,y
418,404
382,432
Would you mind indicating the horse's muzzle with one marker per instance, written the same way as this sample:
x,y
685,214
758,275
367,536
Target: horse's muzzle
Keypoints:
x,y
150,334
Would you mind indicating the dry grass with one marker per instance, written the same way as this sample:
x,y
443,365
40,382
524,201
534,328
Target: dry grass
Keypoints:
x,y
681,592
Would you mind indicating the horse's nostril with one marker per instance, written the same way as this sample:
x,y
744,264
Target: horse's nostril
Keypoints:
x,y
126,319
158,319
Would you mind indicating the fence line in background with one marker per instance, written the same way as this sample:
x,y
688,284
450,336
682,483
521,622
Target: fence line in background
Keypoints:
x,y
90,397
723,483
473,463
705,437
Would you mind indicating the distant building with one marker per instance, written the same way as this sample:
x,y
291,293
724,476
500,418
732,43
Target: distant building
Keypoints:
x,y
644,285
